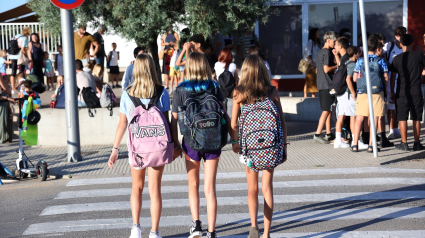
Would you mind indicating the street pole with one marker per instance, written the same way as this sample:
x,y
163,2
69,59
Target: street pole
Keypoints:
x,y
71,106
369,88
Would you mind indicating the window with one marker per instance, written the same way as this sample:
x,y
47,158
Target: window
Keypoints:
x,y
330,17
382,17
281,39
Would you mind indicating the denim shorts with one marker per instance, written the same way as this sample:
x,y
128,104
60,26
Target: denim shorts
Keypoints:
x,y
197,156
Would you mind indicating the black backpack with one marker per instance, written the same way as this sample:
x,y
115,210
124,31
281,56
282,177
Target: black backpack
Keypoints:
x,y
227,83
339,84
13,47
37,86
91,100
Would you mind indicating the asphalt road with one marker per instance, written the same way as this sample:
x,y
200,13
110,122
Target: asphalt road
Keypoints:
x,y
386,201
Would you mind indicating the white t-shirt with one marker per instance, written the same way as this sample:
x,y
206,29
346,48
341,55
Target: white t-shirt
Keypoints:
x,y
113,61
219,68
394,52
174,58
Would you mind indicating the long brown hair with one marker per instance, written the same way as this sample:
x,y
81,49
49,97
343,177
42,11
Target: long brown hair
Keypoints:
x,y
254,81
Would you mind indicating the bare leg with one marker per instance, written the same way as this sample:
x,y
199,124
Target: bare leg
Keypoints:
x,y
403,131
166,78
138,177
193,180
12,82
111,76
390,118
339,123
323,119
376,127
313,95
252,178
416,130
305,88
267,188
210,192
328,123
358,127
154,183
352,124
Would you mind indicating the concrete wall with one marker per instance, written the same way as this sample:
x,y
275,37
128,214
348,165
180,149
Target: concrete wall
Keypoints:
x,y
100,129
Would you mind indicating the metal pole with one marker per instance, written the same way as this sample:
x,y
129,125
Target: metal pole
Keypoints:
x,y
71,106
369,89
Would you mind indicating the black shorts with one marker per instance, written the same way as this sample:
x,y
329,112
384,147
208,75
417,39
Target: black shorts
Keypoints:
x,y
114,70
15,68
412,104
326,100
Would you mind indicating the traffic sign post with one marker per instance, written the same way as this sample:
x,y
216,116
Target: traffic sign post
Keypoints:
x,y
71,105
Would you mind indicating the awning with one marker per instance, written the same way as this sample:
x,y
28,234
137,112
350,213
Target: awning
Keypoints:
x,y
15,12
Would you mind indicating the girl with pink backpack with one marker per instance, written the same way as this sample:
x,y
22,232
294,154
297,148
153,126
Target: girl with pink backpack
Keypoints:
x,y
144,111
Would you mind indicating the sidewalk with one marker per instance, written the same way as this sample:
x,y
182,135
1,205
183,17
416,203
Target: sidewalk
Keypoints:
x,y
302,153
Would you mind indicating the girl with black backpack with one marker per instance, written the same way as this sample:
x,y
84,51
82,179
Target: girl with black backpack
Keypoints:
x,y
261,140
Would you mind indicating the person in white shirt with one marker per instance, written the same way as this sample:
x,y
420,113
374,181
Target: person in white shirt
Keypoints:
x,y
174,70
114,70
84,80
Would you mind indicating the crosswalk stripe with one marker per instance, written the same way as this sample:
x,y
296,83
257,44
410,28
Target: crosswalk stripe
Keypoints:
x,y
244,186
237,218
177,177
221,201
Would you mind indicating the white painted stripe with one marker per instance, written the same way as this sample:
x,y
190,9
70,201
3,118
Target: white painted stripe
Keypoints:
x,y
280,173
244,186
222,201
237,218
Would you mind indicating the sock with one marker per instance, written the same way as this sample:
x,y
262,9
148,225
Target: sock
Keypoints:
x,y
317,135
154,232
136,225
337,136
391,131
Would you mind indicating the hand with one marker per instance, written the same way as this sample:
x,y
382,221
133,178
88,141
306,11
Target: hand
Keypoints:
x,y
177,152
392,98
235,148
354,97
113,158
95,56
12,100
334,52
187,46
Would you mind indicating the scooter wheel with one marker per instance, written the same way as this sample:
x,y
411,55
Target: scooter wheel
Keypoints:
x,y
42,173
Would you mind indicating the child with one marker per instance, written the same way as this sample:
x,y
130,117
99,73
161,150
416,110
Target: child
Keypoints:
x,y
255,84
60,82
3,63
144,73
377,78
168,53
181,66
114,71
89,66
174,70
98,75
59,62
198,79
21,80
28,91
48,70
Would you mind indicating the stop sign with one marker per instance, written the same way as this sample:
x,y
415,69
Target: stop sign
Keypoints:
x,y
67,4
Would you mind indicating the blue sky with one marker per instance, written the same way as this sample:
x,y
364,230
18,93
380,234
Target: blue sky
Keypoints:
x,y
7,5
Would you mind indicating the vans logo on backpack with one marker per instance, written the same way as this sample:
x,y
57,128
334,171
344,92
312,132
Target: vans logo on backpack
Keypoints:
x,y
207,124
147,131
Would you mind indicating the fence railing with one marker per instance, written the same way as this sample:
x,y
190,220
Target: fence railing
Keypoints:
x,y
10,30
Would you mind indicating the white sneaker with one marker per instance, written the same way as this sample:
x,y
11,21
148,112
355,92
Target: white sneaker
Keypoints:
x,y
136,232
338,143
13,92
361,145
154,234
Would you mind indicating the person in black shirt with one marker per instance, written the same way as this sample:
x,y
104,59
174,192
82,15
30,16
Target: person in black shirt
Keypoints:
x,y
408,97
100,55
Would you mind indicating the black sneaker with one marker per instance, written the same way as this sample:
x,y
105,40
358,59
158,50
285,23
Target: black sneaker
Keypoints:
x,y
330,137
118,86
113,86
418,146
402,146
385,143
211,234
196,229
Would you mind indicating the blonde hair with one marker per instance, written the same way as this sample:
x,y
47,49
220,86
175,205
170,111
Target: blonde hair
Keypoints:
x,y
96,70
197,67
254,81
144,78
26,31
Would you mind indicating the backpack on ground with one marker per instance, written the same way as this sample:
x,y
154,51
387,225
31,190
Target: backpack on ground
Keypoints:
x,y
339,83
149,138
60,97
37,86
261,136
107,98
90,98
375,73
227,83
13,46
202,121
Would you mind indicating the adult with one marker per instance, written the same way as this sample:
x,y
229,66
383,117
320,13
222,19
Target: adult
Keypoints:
x,y
59,62
84,80
5,113
23,45
36,56
218,44
408,97
101,54
245,42
310,54
82,44
326,65
128,74
167,40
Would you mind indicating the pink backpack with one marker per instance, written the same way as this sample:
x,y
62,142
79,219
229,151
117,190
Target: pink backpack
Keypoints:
x,y
149,139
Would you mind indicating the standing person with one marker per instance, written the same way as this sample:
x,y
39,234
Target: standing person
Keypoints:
x,y
144,88
198,80
23,45
326,65
254,85
194,45
36,56
128,75
245,42
82,44
3,63
59,62
253,50
114,70
378,75
174,70
5,111
166,63
391,50
168,38
100,54
48,70
218,45
408,97
181,67
310,54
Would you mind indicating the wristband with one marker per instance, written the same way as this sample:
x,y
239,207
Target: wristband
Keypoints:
x,y
113,148
235,142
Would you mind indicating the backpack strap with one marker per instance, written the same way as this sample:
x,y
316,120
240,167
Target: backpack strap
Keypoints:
x,y
158,93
